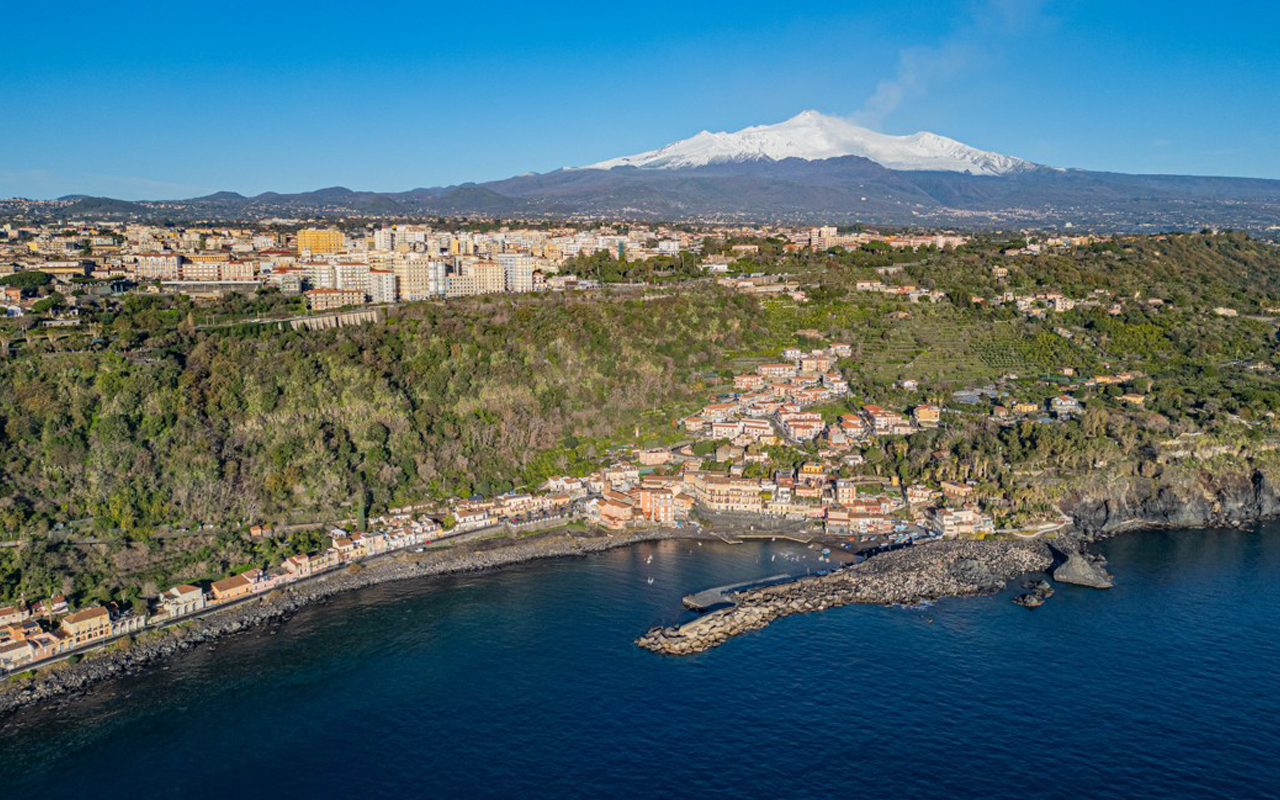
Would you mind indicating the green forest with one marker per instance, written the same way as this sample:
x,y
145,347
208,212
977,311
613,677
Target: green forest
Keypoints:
x,y
160,416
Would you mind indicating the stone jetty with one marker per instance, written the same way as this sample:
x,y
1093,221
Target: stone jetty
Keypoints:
x,y
924,572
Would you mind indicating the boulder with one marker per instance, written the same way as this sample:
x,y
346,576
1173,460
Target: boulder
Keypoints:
x,y
975,573
1081,571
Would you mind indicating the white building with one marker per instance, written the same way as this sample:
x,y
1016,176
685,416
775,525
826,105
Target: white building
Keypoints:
x,y
518,269
384,239
381,286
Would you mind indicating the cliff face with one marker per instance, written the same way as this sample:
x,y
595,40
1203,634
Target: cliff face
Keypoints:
x,y
1226,498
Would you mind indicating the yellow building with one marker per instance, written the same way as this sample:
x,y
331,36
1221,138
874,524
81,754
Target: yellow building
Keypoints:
x,y
320,241
490,276
86,626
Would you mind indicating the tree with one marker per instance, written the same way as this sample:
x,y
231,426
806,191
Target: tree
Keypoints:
x,y
50,303
28,280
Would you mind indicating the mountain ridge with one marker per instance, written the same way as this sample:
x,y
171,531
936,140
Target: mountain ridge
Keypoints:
x,y
796,171
813,136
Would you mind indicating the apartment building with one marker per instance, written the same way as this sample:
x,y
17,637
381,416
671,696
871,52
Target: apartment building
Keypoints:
x,y
329,299
316,241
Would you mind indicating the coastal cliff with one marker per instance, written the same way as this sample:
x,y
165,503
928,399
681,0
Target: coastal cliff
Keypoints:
x,y
1229,496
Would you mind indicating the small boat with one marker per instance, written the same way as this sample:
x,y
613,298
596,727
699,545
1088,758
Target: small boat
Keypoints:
x,y
649,560
650,581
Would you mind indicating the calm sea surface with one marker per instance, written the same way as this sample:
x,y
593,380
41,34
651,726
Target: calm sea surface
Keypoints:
x,y
525,683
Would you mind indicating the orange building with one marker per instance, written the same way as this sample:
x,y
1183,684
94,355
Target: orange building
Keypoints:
x,y
231,588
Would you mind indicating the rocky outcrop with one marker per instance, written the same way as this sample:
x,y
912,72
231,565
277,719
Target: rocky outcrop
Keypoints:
x,y
923,572
1083,570
1040,591
1175,498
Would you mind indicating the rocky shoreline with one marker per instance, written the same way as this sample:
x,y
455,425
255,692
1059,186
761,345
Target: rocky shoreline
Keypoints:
x,y
910,575
1169,498
943,569
63,682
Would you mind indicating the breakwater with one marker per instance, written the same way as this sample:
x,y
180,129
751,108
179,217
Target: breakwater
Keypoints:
x,y
925,572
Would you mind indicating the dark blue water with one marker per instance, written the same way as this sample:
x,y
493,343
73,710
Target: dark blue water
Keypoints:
x,y
525,683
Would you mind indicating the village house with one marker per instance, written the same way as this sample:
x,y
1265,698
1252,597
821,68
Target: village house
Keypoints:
x,y
885,422
86,626
234,587
47,645
846,491
955,491
927,416
657,505
870,525
717,493
326,560
465,517
16,654
777,371
837,520
55,606
951,522
653,458
812,473
181,600
17,631
816,363
874,506
725,430
16,613
616,512
1065,405
621,475
573,487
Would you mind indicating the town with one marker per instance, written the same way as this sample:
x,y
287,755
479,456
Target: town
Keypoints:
x,y
369,265
818,437
654,487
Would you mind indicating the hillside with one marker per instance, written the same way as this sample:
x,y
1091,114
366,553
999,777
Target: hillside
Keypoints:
x,y
147,422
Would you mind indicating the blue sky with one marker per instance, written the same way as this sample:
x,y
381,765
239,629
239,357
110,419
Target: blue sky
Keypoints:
x,y
142,100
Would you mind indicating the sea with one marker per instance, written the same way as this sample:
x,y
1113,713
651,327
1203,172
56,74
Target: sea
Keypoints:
x,y
526,683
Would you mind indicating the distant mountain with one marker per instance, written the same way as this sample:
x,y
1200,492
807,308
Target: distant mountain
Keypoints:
x,y
812,136
220,196
810,168
105,207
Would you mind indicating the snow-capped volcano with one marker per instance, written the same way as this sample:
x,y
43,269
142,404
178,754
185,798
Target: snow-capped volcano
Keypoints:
x,y
812,136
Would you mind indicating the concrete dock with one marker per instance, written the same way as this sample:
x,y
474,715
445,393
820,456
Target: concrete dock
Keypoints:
x,y
719,596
